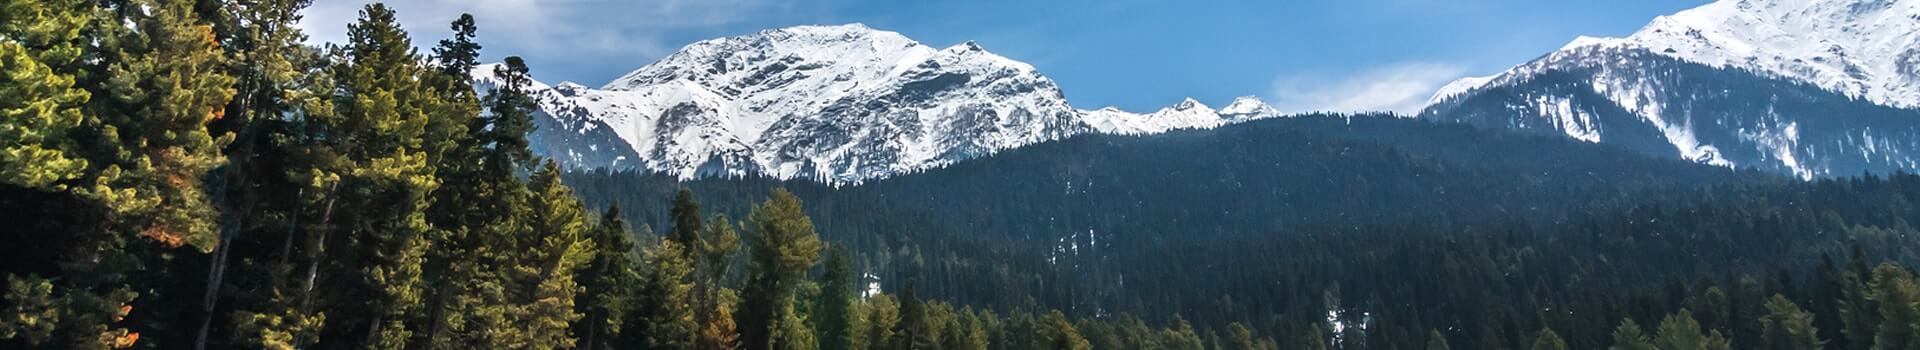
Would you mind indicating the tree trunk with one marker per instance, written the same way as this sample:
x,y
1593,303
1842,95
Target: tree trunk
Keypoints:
x,y
314,256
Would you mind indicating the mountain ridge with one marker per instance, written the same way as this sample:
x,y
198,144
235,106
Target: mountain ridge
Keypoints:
x,y
838,104
1673,95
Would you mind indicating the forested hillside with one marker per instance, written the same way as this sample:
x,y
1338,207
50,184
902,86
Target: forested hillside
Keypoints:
x,y
180,174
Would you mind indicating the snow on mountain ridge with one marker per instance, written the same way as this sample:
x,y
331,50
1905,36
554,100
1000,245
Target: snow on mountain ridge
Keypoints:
x,y
1863,48
838,104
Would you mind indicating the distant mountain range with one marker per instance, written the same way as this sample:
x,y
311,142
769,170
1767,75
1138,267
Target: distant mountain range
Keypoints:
x,y
838,104
1799,87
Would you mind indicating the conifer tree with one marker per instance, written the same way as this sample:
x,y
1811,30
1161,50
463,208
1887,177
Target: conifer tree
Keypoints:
x,y
109,108
836,312
1056,333
161,82
883,316
39,102
686,220
609,280
1548,340
557,248
1896,293
1629,336
265,51
719,333
718,247
287,318
1436,341
1786,327
976,332
40,105
1680,331
914,331
783,247
1182,336
1241,338
667,307
374,151
1314,339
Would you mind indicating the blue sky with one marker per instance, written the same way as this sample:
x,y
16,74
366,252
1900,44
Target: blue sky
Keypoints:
x,y
1300,55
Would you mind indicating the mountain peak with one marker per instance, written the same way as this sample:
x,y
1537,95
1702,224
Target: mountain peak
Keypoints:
x,y
1246,108
837,104
1861,48
1189,104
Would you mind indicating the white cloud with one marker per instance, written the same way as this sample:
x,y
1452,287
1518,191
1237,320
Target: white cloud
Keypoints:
x,y
599,28
1400,87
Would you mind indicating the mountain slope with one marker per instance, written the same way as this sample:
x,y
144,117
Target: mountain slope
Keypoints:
x,y
1267,176
836,104
1728,84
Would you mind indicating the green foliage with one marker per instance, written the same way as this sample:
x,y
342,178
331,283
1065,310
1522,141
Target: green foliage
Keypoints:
x,y
882,318
1436,341
359,197
1787,327
1680,331
1896,292
686,218
836,311
783,247
39,102
1548,340
1629,336
1055,333
667,308
612,283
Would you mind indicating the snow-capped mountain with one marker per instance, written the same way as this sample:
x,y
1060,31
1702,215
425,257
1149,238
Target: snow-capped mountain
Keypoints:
x,y
838,104
1188,114
1805,87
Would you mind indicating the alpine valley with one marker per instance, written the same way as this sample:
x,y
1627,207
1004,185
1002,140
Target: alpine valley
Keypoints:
x,y
204,174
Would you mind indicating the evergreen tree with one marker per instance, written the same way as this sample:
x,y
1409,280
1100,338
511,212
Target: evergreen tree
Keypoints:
x,y
1056,333
976,332
1181,336
883,316
1786,327
783,247
915,329
718,247
1314,339
39,102
1241,338
558,248
1680,331
1896,292
1629,336
1436,341
1548,340
719,333
667,308
686,220
287,318
610,279
265,51
836,312
162,81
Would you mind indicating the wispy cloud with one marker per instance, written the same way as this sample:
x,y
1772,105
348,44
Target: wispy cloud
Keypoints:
x,y
1400,87
602,28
